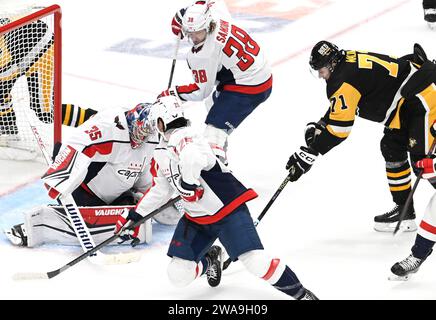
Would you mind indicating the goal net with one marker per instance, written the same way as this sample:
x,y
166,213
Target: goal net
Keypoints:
x,y
30,82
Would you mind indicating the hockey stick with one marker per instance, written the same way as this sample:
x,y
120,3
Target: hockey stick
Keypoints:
x,y
264,211
415,185
51,274
174,62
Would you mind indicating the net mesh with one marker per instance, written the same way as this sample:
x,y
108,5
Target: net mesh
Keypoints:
x,y
26,85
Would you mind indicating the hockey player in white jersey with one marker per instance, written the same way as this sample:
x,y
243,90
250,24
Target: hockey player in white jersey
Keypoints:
x,y
226,62
214,204
105,165
426,235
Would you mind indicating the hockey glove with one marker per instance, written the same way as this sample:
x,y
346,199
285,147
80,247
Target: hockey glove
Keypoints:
x,y
313,129
301,162
176,23
168,92
190,192
122,226
428,166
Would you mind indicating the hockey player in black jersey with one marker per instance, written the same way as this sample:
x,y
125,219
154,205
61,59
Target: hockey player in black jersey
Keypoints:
x,y
400,93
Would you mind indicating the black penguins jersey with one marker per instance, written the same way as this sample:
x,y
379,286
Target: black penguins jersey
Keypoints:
x,y
364,84
20,48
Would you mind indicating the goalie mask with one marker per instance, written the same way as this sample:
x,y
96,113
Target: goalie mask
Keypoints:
x,y
169,110
138,121
325,54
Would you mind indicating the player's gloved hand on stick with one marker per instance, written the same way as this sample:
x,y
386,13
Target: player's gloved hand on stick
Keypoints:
x,y
176,23
312,130
301,162
124,221
428,165
168,92
190,192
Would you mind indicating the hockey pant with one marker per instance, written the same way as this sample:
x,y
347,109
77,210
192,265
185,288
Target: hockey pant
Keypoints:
x,y
409,134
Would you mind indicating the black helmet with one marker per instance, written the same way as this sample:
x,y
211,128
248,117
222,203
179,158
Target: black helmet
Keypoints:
x,y
324,54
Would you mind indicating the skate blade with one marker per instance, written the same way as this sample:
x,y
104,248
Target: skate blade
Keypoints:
x,y
394,277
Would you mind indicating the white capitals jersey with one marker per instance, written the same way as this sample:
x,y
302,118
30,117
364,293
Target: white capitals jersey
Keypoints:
x,y
228,59
113,166
188,156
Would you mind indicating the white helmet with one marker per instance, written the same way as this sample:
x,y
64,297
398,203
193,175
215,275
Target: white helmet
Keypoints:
x,y
169,110
197,17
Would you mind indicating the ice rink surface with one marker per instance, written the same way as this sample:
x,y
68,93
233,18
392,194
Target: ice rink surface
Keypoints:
x,y
322,226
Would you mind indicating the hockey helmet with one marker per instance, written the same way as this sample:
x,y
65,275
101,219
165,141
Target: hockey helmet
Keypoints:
x,y
169,110
325,54
197,17
138,121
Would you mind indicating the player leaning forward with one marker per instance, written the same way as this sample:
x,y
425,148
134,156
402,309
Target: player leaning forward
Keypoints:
x,y
398,92
104,165
227,66
214,204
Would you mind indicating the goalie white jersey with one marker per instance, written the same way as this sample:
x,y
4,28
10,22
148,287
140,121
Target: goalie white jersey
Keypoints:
x,y
229,59
188,156
99,157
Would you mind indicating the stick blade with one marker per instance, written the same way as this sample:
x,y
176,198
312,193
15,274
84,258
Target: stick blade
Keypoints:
x,y
121,258
30,276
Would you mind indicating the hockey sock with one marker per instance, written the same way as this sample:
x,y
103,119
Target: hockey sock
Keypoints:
x,y
202,266
399,179
422,247
289,284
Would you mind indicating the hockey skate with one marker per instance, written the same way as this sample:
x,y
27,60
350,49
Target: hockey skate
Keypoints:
x,y
430,17
17,235
403,270
214,270
308,295
388,221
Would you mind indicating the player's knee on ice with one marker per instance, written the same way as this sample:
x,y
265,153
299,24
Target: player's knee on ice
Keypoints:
x,y
181,272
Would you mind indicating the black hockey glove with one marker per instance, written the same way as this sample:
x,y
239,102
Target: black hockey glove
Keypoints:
x,y
313,129
122,227
301,162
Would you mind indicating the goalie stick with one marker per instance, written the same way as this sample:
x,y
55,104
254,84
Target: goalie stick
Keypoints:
x,y
54,273
264,211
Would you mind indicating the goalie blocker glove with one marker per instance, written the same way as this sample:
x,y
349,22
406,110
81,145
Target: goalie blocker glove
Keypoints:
x,y
301,162
122,226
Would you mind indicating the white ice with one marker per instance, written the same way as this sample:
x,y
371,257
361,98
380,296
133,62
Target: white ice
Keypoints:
x,y
321,225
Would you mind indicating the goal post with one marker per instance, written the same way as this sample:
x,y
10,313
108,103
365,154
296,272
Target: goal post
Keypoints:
x,y
30,81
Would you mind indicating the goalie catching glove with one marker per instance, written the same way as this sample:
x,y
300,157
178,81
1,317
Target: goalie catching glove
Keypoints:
x,y
301,162
126,219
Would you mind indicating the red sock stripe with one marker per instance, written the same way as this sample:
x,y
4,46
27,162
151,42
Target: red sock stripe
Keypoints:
x,y
272,268
428,227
